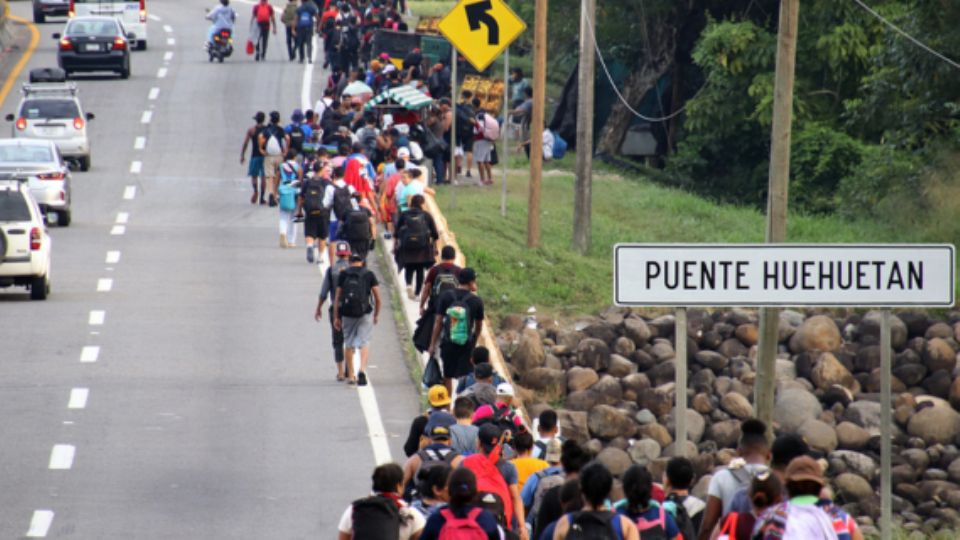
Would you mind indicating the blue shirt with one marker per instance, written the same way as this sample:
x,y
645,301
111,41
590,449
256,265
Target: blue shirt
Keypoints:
x,y
222,17
530,487
307,130
470,380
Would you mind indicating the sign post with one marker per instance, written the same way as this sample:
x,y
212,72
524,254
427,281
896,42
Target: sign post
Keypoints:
x,y
680,378
886,433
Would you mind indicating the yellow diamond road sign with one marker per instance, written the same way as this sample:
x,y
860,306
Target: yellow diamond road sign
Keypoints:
x,y
481,29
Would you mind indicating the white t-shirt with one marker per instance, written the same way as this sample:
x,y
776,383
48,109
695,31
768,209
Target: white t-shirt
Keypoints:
x,y
411,522
725,484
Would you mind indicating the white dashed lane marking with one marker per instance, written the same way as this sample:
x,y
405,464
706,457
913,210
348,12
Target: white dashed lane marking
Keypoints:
x,y
40,523
153,17
61,457
118,230
97,317
154,93
146,117
90,353
136,167
167,28
168,56
161,73
129,192
104,285
78,398
171,41
139,143
113,257
123,217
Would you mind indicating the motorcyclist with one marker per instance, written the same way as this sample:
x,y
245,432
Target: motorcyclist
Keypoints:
x,y
223,17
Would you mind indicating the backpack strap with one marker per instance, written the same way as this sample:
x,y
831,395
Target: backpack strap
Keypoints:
x,y
447,514
730,524
617,522
474,513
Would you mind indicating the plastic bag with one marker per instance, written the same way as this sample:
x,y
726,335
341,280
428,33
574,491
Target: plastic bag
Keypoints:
x,y
432,375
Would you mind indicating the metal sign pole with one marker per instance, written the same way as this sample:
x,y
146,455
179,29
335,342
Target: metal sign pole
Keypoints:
x,y
453,128
886,421
680,378
506,132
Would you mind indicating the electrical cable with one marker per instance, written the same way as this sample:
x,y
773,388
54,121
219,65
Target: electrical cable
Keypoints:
x,y
912,39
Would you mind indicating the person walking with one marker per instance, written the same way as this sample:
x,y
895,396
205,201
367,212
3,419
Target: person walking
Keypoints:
x,y
462,514
800,516
485,138
255,167
290,175
359,228
316,217
383,514
306,21
289,20
355,315
264,19
328,290
274,144
416,249
338,200
459,320
592,522
651,519
498,476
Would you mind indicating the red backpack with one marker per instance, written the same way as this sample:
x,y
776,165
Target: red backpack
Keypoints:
x,y
489,479
465,528
263,13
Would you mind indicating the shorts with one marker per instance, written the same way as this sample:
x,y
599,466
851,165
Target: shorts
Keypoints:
x,y
455,360
482,151
332,235
255,167
271,165
315,226
357,331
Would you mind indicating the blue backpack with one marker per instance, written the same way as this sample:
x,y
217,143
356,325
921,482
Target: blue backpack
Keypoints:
x,y
559,146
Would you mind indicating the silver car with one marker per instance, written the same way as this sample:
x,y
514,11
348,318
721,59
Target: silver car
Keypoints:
x,y
41,165
52,111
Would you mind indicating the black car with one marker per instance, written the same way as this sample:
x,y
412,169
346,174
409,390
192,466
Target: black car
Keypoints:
x,y
94,44
49,8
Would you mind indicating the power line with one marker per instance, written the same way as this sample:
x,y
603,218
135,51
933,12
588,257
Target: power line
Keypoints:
x,y
912,39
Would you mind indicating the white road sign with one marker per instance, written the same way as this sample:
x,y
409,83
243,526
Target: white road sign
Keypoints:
x,y
895,275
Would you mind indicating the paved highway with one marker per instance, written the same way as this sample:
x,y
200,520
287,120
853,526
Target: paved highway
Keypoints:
x,y
175,384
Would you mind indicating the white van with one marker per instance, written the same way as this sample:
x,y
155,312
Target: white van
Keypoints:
x,y
132,14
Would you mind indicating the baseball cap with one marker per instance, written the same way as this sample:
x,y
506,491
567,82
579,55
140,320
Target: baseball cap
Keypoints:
x,y
488,435
804,469
403,152
297,116
554,450
343,249
438,418
467,275
438,396
274,116
384,56
259,117
356,257
505,389
440,433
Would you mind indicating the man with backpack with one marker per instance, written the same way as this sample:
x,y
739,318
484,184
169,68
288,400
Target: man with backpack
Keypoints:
x,y
383,515
316,217
466,120
298,133
274,144
289,20
355,312
437,452
548,429
415,249
367,136
255,169
338,201
687,510
485,137
497,476
458,323
437,414
306,18
442,277
359,228
264,19
594,521
547,507
328,290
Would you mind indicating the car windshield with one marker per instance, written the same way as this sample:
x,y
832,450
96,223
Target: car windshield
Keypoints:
x,y
49,108
25,154
92,28
13,207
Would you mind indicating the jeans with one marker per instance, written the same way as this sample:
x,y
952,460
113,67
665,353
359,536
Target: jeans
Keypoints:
x,y
287,226
337,339
291,43
262,37
439,167
304,43
408,274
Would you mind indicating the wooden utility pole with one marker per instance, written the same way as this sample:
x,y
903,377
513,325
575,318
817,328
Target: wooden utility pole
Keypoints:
x,y
583,194
777,199
536,124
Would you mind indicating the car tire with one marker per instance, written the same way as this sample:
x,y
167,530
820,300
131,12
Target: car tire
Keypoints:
x,y
39,288
39,17
142,45
125,71
3,246
63,218
85,163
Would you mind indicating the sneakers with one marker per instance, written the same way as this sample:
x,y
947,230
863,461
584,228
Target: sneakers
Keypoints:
x,y
310,256
361,379
273,201
410,294
283,241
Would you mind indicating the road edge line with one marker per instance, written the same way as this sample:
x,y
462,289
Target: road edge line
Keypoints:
x,y
24,58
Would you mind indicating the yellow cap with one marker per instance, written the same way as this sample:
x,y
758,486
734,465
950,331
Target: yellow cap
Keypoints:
x,y
438,396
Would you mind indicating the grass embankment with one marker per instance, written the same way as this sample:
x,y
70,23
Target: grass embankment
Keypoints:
x,y
561,283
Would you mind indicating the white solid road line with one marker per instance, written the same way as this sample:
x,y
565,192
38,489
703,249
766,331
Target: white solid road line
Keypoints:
x,y
40,523
308,78
139,143
154,93
61,457
113,257
136,167
78,398
90,353
104,285
161,73
118,230
167,28
129,192
96,318
123,217
146,117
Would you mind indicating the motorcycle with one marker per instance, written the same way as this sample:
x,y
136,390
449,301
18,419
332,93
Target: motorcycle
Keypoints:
x,y
222,45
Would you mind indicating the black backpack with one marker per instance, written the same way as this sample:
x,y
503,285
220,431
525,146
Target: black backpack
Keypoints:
x,y
313,193
355,295
594,526
357,226
415,234
681,516
296,139
342,202
444,280
375,518
432,457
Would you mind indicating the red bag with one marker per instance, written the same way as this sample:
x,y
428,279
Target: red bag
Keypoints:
x,y
489,479
250,47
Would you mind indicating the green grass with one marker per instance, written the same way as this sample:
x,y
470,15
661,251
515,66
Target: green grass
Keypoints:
x,y
430,8
561,283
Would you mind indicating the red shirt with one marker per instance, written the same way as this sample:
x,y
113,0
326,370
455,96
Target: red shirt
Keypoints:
x,y
256,9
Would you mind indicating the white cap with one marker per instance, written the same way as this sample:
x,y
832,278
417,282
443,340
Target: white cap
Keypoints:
x,y
403,152
505,389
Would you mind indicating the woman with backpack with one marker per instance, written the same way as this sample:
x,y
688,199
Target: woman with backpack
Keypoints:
x,y
432,492
289,189
415,249
765,491
595,521
462,519
652,520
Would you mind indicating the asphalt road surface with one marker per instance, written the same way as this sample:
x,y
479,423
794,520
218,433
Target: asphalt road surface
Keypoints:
x,y
175,384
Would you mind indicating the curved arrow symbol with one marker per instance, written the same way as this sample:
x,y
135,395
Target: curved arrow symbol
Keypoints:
x,y
480,13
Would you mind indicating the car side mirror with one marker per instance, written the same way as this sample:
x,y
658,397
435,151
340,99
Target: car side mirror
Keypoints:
x,y
9,117
90,116
57,35
131,35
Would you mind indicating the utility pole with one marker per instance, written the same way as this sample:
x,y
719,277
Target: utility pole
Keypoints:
x,y
536,124
453,127
777,199
583,194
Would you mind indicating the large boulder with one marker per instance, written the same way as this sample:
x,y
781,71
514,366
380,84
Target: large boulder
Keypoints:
x,y
828,371
636,383
795,406
851,436
620,367
624,346
657,433
870,326
573,425
846,461
592,353
736,405
608,390
818,435
936,424
615,460
726,433
748,334
606,422
529,353
711,360
636,329
818,333
662,350
602,329
546,380
695,425
733,348
658,400
865,414
581,400
939,354
581,378
852,488
940,330
955,393
644,451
